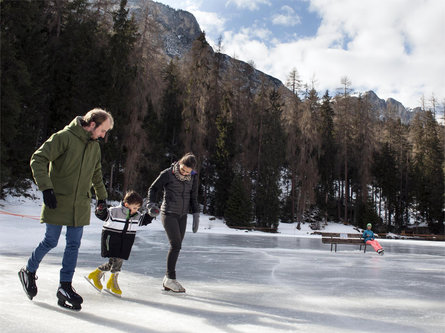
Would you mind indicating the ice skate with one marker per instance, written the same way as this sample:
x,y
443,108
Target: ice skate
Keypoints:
x,y
172,285
94,279
381,252
28,281
68,298
113,286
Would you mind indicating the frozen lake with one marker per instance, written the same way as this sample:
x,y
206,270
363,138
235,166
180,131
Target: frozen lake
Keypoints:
x,y
235,283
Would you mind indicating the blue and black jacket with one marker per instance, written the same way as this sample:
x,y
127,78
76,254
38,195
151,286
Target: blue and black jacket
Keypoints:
x,y
368,235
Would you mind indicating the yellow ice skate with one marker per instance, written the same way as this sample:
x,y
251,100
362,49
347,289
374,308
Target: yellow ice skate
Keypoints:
x,y
94,278
113,286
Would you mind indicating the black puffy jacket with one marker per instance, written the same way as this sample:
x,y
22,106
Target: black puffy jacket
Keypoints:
x,y
179,196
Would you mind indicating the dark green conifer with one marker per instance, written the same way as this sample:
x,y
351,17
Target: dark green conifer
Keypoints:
x,y
238,211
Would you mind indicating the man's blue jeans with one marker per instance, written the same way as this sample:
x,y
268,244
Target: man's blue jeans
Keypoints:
x,y
69,262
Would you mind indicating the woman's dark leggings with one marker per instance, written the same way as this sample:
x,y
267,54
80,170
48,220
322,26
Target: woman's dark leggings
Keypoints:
x,y
174,226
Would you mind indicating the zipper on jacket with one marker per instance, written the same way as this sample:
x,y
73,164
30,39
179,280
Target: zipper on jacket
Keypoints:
x,y
183,193
126,227
127,222
77,186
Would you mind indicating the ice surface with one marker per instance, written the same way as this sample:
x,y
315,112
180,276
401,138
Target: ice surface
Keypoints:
x,y
235,281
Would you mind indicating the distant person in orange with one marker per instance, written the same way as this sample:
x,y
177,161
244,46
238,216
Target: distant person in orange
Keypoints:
x,y
369,239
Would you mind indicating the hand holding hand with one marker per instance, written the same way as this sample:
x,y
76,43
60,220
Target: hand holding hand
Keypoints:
x,y
153,209
145,219
49,198
101,210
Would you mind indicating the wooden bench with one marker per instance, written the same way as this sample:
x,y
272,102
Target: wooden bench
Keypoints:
x,y
340,238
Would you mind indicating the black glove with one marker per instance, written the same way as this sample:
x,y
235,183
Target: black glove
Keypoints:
x,y
49,199
152,209
101,210
145,219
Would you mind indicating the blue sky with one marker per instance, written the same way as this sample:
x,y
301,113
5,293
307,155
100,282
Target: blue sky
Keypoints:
x,y
394,47
286,20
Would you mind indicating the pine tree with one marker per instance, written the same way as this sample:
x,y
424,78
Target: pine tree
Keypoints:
x,y
270,163
362,148
327,155
395,136
77,67
195,111
23,86
307,168
153,153
223,164
238,212
171,110
343,137
428,158
293,135
217,173
239,103
120,99
386,178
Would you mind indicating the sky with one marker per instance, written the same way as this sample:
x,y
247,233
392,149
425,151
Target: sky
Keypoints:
x,y
393,47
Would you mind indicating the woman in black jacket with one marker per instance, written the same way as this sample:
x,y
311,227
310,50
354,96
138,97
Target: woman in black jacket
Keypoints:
x,y
179,184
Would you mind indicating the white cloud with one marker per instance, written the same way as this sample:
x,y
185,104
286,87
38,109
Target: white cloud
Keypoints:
x,y
209,22
287,17
248,4
257,33
393,47
244,46
187,5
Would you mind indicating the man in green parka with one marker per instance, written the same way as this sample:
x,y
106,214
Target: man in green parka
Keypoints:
x,y
64,168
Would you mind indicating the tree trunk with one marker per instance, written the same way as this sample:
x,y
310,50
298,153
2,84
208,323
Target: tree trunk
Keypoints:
x,y
293,181
380,203
111,190
206,190
346,189
326,208
260,138
339,199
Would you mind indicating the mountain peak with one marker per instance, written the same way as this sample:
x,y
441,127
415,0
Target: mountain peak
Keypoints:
x,y
390,108
175,28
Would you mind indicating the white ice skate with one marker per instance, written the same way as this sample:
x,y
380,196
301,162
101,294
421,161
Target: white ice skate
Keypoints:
x,y
172,285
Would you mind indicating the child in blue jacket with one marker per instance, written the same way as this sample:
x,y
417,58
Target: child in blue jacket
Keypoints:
x,y
369,239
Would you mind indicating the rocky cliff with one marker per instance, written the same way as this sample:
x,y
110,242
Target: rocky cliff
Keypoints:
x,y
390,108
177,29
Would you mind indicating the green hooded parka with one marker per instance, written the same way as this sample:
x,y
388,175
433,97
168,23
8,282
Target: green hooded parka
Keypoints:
x,y
69,162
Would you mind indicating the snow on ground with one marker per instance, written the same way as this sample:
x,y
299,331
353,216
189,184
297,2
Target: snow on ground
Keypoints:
x,y
236,281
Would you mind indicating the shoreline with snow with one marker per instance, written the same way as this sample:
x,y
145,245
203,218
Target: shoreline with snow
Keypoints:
x,y
29,208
